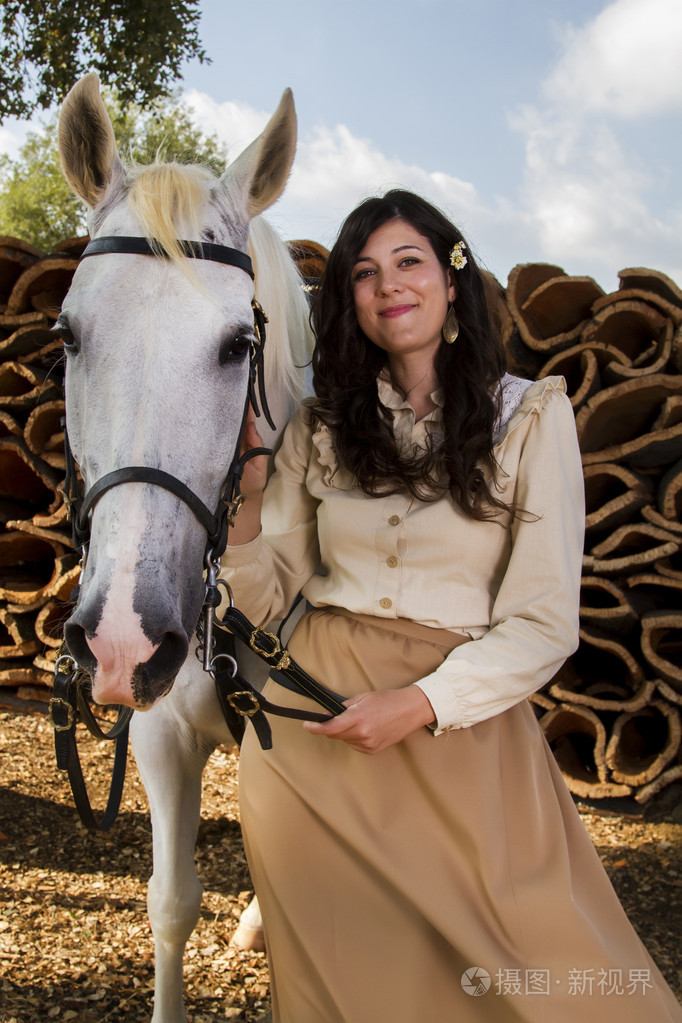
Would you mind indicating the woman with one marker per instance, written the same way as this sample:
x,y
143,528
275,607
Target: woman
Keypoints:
x,y
418,856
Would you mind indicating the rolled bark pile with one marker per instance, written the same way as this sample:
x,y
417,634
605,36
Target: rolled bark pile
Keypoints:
x,y
38,567
310,258
612,713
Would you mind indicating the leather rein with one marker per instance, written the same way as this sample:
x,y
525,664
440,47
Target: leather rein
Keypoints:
x,y
239,700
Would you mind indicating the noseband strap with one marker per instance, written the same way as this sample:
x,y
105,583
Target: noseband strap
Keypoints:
x,y
144,474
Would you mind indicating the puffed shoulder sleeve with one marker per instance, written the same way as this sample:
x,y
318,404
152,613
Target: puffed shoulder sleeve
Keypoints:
x,y
266,574
534,616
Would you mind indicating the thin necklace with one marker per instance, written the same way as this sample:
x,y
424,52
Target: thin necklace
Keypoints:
x,y
414,386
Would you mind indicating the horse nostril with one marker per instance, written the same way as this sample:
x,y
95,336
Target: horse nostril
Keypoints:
x,y
153,678
78,645
170,655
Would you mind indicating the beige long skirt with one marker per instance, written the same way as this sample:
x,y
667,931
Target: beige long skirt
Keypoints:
x,y
448,878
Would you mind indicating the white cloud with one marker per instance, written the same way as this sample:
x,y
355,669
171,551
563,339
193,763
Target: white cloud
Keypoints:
x,y
580,188
625,62
333,171
13,135
588,191
235,124
588,188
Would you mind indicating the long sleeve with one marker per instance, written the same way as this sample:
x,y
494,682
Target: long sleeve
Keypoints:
x,y
534,616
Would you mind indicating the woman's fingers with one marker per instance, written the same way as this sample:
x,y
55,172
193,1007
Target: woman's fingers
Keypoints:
x,y
374,721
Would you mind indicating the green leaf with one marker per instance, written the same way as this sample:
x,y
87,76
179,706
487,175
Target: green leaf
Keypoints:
x,y
138,48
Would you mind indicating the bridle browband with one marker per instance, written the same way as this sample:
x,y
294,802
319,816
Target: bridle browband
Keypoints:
x,y
215,524
193,250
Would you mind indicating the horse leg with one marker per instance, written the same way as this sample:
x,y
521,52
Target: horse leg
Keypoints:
x,y
172,743
171,758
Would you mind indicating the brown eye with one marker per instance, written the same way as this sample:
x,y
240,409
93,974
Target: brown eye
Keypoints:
x,y
233,349
63,330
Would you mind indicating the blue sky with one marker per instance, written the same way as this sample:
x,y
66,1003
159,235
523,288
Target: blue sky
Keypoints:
x,y
549,130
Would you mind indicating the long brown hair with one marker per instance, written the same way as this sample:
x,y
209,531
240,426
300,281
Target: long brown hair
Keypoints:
x,y
346,365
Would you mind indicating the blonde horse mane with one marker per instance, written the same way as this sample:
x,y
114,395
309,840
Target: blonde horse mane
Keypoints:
x,y
172,197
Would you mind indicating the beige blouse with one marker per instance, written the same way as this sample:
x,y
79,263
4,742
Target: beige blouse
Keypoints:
x,y
513,588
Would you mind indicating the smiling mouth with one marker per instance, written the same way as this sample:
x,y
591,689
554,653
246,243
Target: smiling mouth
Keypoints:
x,y
395,310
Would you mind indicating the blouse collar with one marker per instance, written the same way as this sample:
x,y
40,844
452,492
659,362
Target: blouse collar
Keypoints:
x,y
394,400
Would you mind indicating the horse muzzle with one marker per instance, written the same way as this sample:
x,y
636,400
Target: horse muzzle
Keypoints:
x,y
126,666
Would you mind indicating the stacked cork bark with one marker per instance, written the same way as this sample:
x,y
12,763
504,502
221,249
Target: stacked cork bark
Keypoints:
x,y
612,714
38,567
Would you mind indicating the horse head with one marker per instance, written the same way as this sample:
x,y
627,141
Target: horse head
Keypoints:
x,y
157,367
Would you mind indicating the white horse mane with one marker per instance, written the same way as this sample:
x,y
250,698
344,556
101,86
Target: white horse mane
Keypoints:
x,y
164,195
285,304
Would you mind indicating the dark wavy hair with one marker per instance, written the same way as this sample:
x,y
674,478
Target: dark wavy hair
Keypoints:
x,y
346,365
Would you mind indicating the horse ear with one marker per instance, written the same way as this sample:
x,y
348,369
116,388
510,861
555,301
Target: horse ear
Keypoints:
x,y
87,148
261,171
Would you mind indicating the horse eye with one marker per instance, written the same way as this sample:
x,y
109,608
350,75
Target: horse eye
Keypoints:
x,y
233,349
63,330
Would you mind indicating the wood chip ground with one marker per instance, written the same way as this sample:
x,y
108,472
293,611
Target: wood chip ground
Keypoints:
x,y
75,943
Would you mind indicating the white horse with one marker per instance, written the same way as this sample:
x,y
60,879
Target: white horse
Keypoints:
x,y
156,376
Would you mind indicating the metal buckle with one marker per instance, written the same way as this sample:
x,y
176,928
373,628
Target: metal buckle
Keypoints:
x,y
64,659
264,651
258,310
68,501
284,660
70,714
233,508
248,713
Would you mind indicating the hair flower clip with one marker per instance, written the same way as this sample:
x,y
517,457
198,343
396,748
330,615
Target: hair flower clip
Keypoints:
x,y
457,257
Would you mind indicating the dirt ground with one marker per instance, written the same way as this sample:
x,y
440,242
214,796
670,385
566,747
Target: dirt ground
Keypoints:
x,y
75,943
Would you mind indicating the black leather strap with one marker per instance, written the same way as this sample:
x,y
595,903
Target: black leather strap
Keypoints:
x,y
239,699
141,474
286,671
194,250
64,715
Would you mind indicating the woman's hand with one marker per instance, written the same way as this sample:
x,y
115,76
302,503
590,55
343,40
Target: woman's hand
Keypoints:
x,y
254,477
374,721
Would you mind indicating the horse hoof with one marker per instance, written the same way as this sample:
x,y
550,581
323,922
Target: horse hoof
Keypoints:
x,y
249,939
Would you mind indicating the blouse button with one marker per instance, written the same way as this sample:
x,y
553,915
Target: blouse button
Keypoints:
x,y
392,562
386,602
394,520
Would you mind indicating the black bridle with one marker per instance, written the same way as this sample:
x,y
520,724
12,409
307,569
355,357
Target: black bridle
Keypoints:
x,y
69,700
237,697
80,505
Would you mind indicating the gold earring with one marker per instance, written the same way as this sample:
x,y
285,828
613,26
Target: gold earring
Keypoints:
x,y
451,326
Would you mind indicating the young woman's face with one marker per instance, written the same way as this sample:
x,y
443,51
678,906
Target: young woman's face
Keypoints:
x,y
401,291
